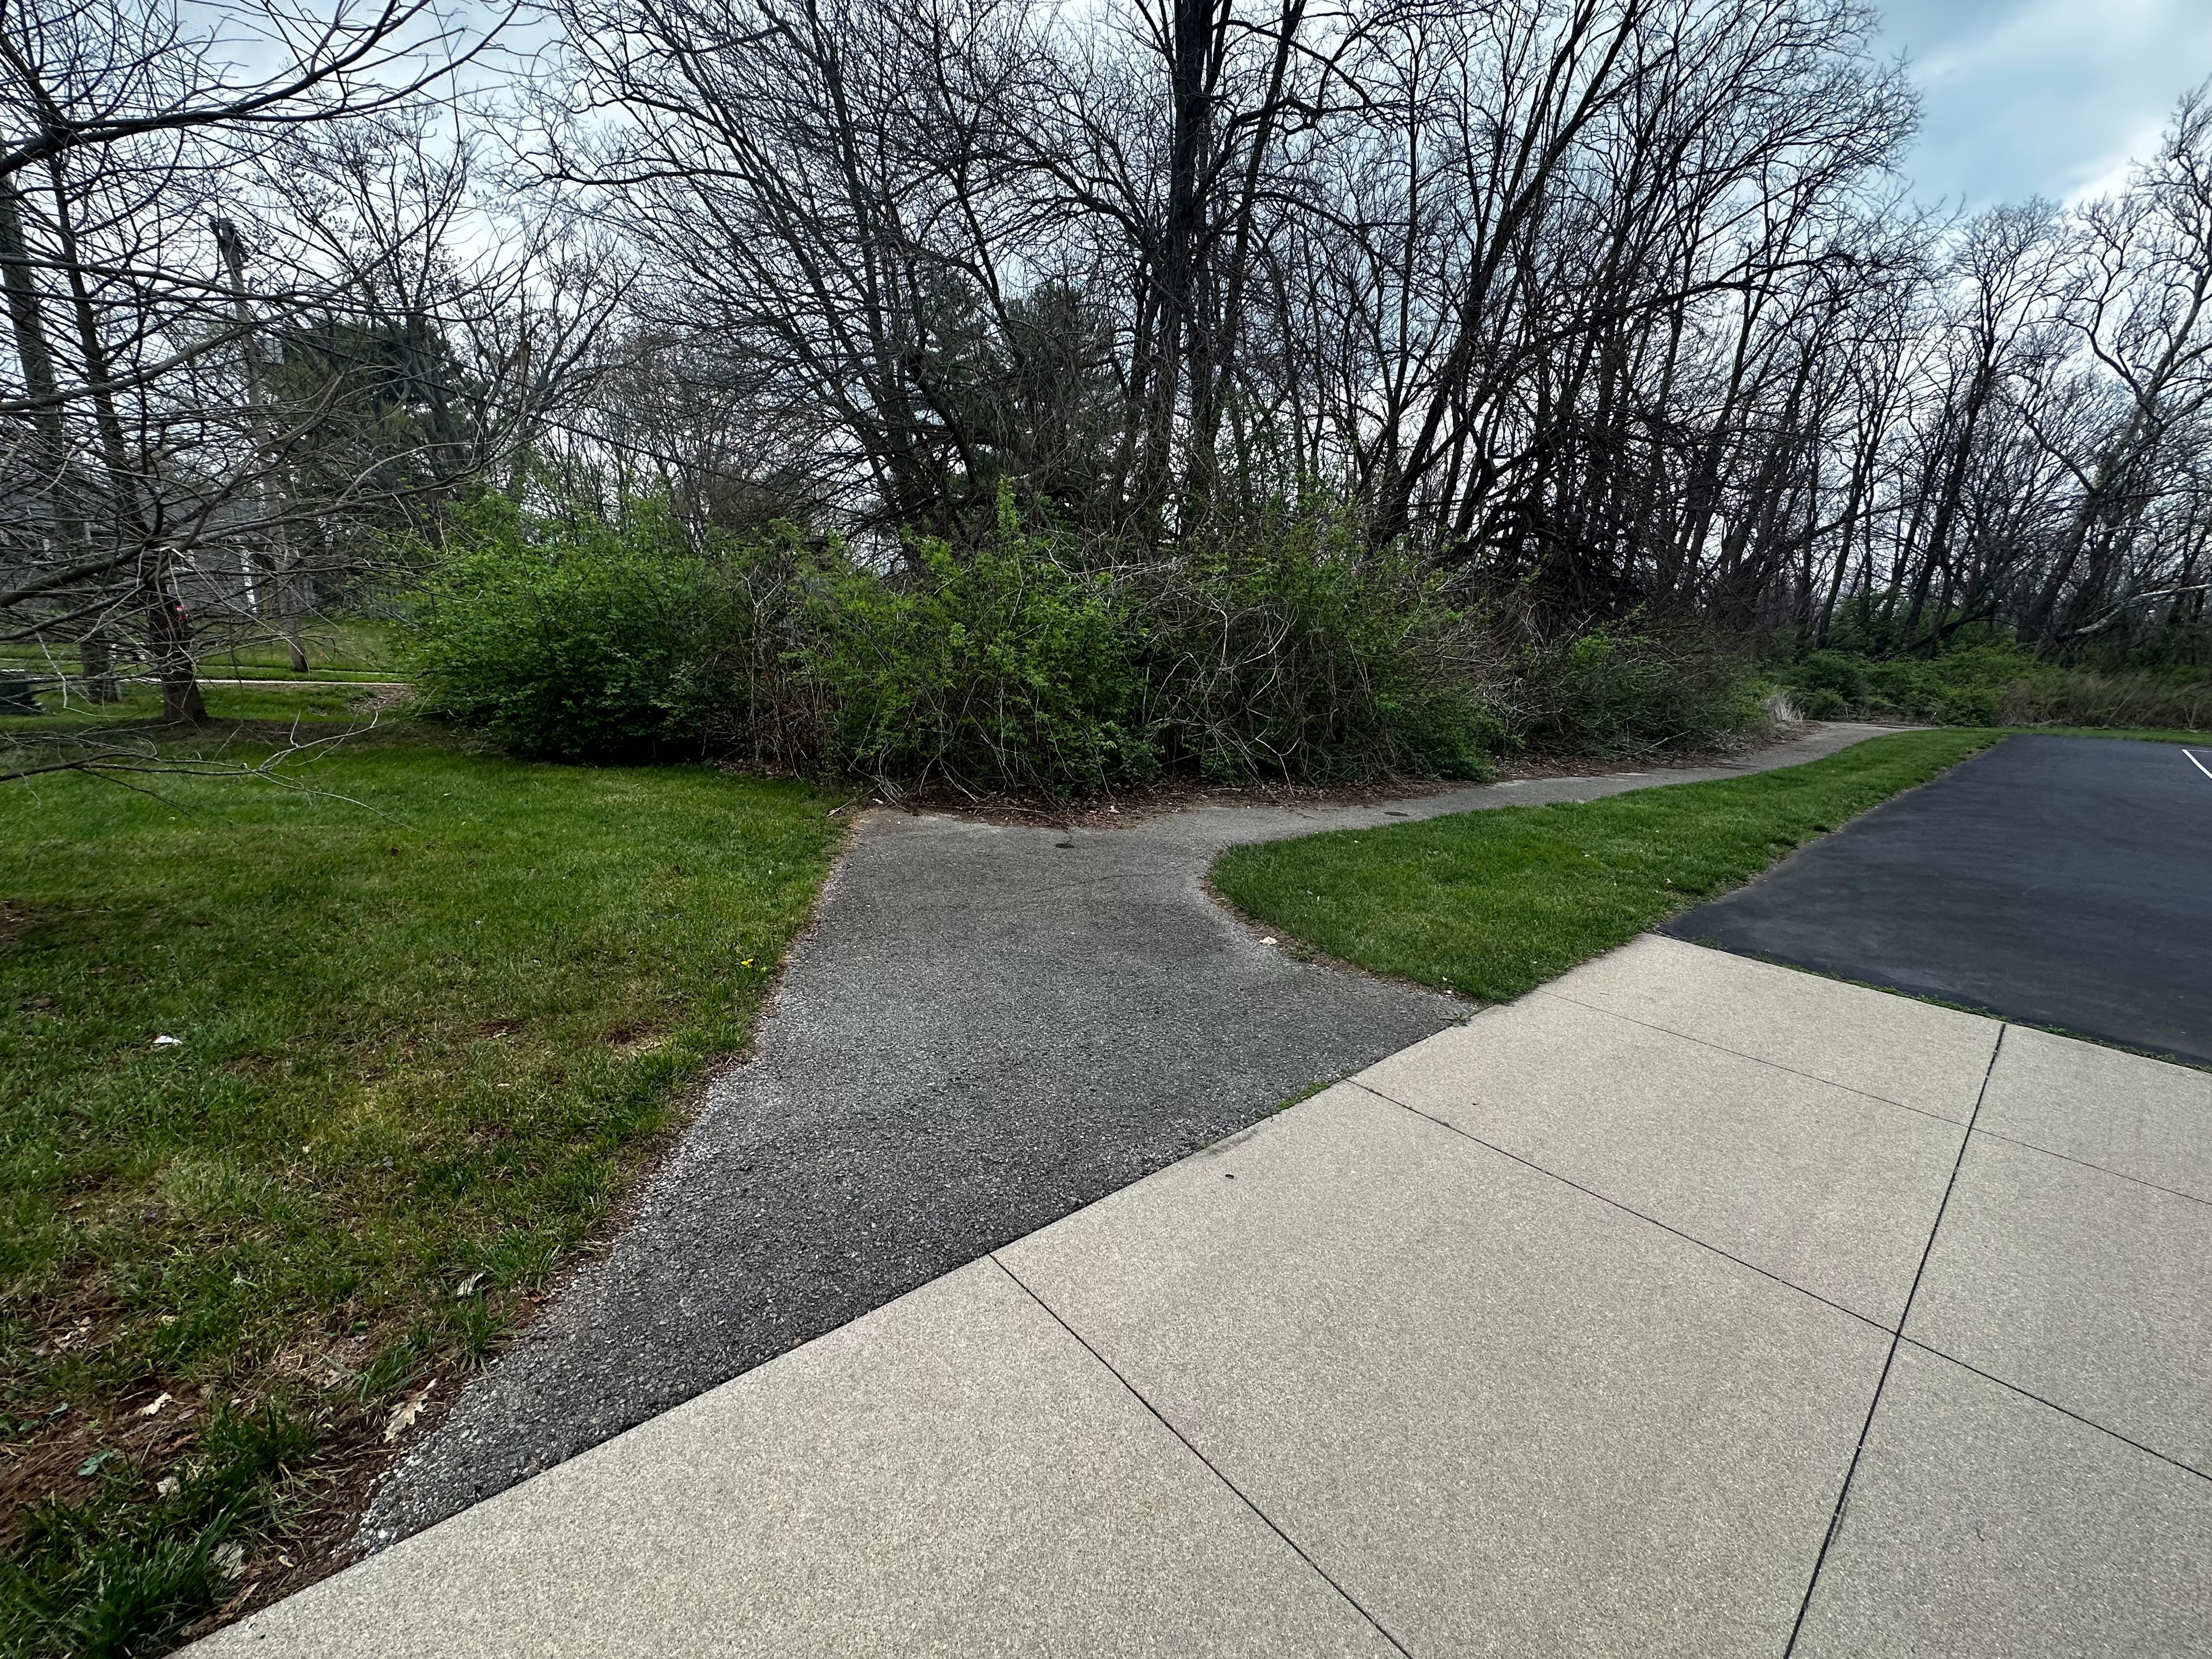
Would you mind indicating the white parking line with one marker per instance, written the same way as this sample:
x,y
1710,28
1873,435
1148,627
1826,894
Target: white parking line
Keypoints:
x,y
2198,765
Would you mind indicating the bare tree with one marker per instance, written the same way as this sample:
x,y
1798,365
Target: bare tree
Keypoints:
x,y
256,325
1612,306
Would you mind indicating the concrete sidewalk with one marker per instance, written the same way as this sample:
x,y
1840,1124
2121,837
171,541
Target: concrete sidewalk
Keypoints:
x,y
1573,1330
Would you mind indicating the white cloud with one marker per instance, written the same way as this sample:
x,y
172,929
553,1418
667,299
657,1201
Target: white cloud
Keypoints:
x,y
2042,97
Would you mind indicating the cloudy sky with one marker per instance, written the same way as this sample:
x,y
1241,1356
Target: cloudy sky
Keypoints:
x,y
2021,97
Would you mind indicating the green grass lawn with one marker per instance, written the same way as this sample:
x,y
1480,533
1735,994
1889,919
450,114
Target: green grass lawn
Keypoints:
x,y
432,1014
338,648
141,709
1492,904
334,645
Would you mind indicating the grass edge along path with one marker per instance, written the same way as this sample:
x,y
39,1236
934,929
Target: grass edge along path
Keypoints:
x,y
431,1024
1492,903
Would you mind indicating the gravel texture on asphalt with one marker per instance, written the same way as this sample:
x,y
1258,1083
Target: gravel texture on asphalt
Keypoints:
x,y
986,1029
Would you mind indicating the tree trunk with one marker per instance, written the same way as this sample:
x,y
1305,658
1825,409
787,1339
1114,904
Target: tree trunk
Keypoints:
x,y
169,628
94,658
283,587
172,633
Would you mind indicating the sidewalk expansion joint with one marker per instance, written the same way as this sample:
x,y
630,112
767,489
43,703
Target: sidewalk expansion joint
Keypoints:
x,y
1625,1209
2105,1430
1242,1497
1761,1059
2101,1169
1866,1429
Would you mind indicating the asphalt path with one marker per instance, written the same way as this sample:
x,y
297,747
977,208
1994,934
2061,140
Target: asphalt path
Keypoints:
x,y
987,1029
2060,882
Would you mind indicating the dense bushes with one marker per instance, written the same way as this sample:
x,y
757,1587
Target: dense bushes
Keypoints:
x,y
1293,651
988,668
586,643
1634,691
2057,697
1960,688
1990,684
1022,660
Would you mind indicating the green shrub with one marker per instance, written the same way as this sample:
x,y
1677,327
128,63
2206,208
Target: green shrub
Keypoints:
x,y
997,667
1294,651
2058,697
1625,691
1962,687
1992,684
586,640
1015,663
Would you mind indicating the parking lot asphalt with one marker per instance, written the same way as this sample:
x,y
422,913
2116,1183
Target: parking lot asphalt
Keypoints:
x,y
2059,881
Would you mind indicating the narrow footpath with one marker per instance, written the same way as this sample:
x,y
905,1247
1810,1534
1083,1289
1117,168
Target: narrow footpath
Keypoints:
x,y
986,1030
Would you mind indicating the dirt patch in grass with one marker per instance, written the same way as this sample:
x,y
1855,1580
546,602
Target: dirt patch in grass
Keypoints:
x,y
60,1457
